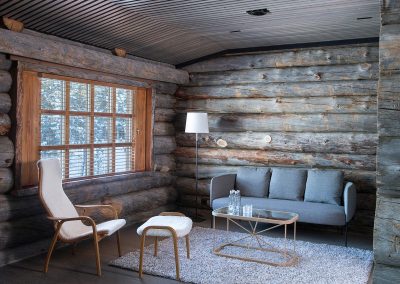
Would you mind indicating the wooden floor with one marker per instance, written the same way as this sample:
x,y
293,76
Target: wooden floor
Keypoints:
x,y
81,268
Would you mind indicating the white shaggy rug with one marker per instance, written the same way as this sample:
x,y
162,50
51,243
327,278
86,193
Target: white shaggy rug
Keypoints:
x,y
318,263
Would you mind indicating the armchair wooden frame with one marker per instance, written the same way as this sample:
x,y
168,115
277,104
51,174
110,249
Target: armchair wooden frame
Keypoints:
x,y
97,237
174,238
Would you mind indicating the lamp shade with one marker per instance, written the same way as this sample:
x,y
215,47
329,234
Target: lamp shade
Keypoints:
x,y
196,122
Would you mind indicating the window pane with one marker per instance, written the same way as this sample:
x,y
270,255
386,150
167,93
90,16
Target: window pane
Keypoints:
x,y
79,97
52,130
123,159
52,94
123,128
102,130
79,129
79,161
60,154
102,99
102,161
124,101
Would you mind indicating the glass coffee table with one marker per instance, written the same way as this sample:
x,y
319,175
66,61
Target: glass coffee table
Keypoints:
x,y
285,256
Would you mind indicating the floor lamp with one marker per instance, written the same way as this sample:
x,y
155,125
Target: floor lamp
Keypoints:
x,y
197,122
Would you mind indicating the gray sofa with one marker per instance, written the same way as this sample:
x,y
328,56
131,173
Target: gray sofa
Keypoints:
x,y
318,196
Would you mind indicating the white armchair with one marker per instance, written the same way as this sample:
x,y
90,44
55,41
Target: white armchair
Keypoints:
x,y
68,224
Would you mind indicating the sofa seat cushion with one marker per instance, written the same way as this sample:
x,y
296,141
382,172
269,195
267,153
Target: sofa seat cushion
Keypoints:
x,y
287,183
324,186
253,182
309,212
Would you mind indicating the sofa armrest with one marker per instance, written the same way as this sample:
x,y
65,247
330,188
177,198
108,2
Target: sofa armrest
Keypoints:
x,y
221,185
350,200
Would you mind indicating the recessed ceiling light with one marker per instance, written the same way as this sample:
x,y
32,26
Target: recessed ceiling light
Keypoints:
x,y
235,31
364,18
258,12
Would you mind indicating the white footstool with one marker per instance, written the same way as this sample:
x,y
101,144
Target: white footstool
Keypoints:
x,y
166,224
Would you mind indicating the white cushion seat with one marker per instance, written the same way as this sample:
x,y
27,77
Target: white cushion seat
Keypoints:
x,y
110,227
182,226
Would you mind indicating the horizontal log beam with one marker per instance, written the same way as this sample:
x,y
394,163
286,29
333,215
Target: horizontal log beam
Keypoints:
x,y
6,181
66,54
298,57
164,101
5,81
164,129
364,71
164,163
296,89
288,122
5,63
164,115
349,104
335,143
164,144
274,158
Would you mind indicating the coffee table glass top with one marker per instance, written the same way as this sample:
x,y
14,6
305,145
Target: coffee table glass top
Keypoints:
x,y
260,215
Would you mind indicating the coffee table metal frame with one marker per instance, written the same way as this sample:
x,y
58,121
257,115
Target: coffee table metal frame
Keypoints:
x,y
287,218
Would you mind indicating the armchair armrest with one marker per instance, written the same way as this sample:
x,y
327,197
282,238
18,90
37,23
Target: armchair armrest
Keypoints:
x,y
221,185
86,208
62,220
350,200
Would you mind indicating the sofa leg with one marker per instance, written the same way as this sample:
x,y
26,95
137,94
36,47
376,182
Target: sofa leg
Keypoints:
x,y
212,221
345,234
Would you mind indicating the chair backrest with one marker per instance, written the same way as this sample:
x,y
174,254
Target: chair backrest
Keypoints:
x,y
54,199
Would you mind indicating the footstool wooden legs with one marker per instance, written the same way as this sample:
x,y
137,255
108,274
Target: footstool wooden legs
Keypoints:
x,y
180,226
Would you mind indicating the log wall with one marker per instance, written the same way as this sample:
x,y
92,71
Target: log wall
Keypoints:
x,y
311,107
24,229
387,218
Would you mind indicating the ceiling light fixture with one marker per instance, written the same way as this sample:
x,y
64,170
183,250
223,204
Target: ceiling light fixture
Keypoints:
x,y
258,12
364,18
235,31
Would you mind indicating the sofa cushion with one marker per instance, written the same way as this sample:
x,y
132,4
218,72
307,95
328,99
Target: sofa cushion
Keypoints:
x,y
287,183
309,212
324,186
253,181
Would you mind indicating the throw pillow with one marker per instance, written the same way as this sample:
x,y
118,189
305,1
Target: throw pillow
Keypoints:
x,y
324,186
287,183
253,182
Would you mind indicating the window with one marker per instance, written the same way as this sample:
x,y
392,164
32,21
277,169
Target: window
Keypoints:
x,y
93,128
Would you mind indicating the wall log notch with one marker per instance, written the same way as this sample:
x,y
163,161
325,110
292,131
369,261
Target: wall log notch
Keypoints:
x,y
387,220
311,107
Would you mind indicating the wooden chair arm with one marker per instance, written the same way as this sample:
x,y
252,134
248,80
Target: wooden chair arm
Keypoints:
x,y
172,214
98,206
61,220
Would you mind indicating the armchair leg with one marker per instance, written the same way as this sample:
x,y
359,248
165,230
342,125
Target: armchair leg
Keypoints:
x,y
176,257
96,248
187,246
119,244
51,248
155,246
142,242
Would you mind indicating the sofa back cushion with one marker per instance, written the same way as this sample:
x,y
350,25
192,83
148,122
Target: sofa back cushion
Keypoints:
x,y
287,183
253,182
324,186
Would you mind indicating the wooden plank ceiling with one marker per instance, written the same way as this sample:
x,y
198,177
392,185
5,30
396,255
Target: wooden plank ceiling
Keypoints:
x,y
178,31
